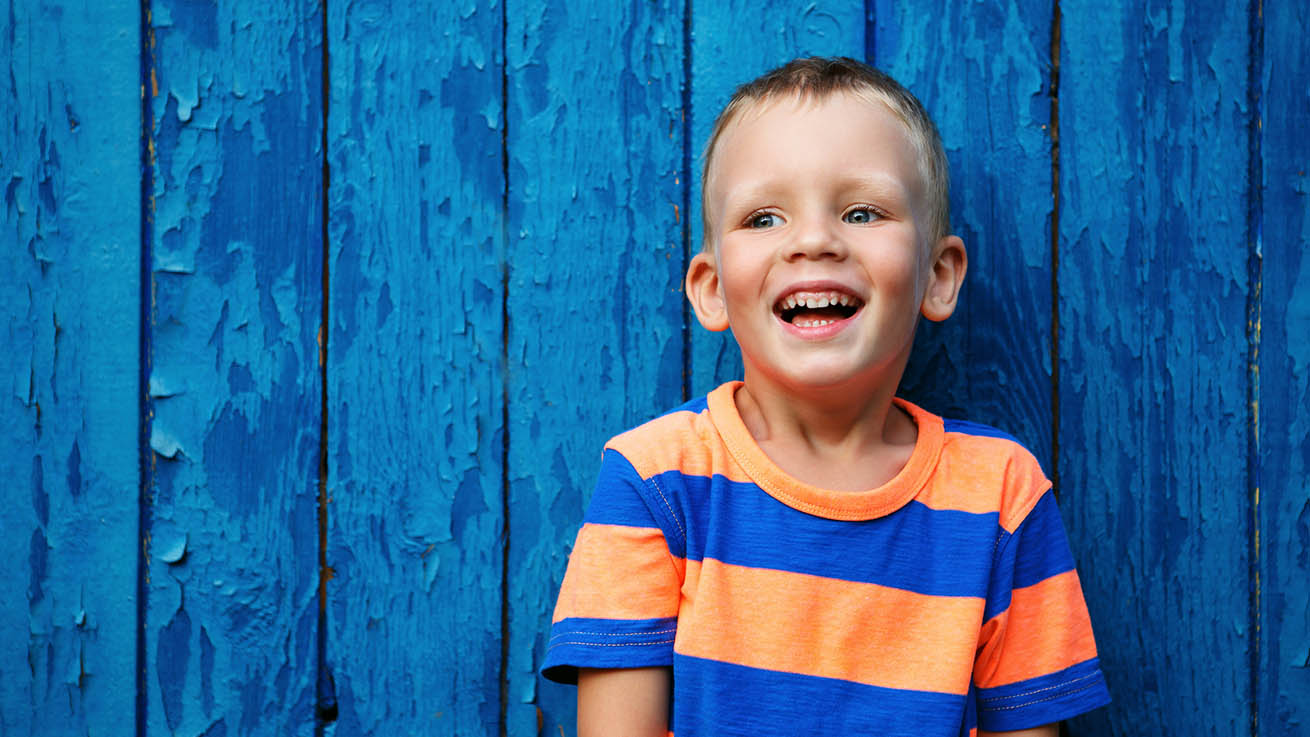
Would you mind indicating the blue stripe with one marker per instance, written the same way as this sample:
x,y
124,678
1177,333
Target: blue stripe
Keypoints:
x,y
1037,550
694,406
579,642
618,496
727,700
964,427
916,548
1043,700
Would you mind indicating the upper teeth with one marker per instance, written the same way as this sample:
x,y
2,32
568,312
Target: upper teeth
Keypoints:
x,y
814,300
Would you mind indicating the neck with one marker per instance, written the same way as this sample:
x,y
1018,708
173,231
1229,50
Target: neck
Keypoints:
x,y
836,421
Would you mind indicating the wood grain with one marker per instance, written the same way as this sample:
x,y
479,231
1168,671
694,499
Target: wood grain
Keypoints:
x,y
1153,375
1282,409
231,621
415,439
70,270
594,307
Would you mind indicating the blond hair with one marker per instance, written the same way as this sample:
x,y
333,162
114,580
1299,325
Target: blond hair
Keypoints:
x,y
818,78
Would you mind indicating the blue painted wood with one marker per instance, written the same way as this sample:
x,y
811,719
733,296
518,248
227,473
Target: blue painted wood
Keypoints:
x,y
732,43
234,388
594,309
1282,407
1153,375
70,307
415,521
990,97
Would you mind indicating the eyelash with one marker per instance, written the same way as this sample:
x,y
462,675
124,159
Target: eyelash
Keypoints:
x,y
874,215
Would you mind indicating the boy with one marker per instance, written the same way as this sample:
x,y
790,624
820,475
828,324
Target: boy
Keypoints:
x,y
801,552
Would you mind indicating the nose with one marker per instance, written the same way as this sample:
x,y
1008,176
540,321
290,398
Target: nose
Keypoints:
x,y
815,237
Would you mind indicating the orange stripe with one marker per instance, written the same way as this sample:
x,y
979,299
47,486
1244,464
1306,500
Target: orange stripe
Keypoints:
x,y
678,442
972,463
1045,630
860,632
618,572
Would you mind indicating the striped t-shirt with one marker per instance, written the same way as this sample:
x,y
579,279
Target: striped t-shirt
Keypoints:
x,y
942,602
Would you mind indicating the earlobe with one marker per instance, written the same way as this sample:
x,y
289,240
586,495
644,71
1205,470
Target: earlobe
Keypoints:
x,y
949,263
702,285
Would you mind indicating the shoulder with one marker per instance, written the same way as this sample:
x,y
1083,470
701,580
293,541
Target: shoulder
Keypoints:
x,y
993,468
673,441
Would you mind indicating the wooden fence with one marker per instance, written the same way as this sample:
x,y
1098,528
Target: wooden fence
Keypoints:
x,y
318,313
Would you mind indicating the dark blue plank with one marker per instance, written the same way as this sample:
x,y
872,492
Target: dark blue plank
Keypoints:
x,y
70,126
1153,375
415,519
234,386
1282,406
732,43
989,93
594,309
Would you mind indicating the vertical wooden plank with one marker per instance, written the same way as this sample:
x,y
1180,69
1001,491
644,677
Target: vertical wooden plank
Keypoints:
x,y
235,393
988,90
594,303
1283,402
415,521
1153,376
70,300
732,43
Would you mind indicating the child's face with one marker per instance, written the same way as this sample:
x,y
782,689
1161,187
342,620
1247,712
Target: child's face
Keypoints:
x,y
820,265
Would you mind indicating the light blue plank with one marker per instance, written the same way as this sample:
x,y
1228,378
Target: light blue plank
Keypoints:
x,y
415,522
234,385
1153,374
70,301
732,43
594,303
988,90
1283,403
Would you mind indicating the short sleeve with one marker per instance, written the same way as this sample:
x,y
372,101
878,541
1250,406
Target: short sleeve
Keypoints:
x,y
1037,660
618,604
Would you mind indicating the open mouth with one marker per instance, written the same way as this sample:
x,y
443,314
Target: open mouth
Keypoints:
x,y
816,309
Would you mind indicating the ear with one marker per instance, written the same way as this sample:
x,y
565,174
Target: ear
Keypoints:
x,y
704,294
949,262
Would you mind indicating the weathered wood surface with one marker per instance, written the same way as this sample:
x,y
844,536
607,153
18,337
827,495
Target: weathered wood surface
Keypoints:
x,y
69,299
731,43
1153,356
990,97
1280,458
512,194
230,624
415,340
593,305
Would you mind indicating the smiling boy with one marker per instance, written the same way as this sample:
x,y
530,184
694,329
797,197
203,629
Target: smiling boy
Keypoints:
x,y
801,552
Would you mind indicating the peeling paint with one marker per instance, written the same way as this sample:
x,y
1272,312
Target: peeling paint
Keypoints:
x,y
68,245
234,385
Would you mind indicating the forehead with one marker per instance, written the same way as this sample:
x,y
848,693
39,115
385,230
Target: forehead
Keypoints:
x,y
807,141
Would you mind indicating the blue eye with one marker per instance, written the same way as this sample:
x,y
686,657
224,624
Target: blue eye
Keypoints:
x,y
860,216
763,220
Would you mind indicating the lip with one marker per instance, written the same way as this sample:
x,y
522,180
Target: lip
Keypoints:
x,y
820,332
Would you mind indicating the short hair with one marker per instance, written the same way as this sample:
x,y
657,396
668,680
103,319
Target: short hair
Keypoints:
x,y
818,78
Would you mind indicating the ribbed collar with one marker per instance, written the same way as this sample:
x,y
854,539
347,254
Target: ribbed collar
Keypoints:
x,y
839,505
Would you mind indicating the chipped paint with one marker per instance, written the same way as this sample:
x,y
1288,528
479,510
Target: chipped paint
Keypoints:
x,y
69,239
415,531
234,381
1153,286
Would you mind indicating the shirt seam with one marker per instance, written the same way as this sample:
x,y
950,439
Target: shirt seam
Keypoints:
x,y
1060,695
1065,684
